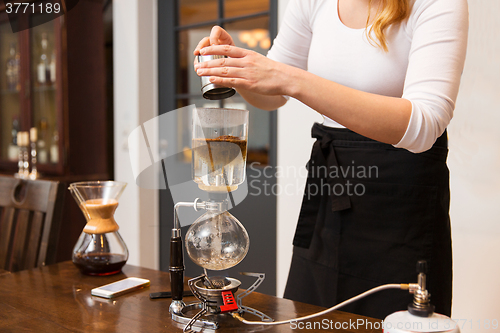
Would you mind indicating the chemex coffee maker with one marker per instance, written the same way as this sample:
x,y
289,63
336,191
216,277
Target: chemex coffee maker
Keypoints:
x,y
100,250
216,240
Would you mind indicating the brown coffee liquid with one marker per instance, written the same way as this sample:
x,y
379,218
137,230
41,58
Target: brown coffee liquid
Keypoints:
x,y
99,264
221,151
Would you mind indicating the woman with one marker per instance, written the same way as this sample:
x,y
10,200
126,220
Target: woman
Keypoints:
x,y
385,75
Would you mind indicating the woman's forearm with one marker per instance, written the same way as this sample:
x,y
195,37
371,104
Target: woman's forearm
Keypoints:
x,y
378,117
264,102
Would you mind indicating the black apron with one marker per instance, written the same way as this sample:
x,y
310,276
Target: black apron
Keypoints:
x,y
370,212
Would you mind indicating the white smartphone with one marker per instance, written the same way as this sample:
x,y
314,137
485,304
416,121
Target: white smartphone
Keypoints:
x,y
120,287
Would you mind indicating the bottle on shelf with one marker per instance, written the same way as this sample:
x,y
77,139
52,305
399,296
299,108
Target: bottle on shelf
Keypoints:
x,y
41,144
54,148
20,162
23,162
53,67
13,150
13,69
26,154
43,69
33,139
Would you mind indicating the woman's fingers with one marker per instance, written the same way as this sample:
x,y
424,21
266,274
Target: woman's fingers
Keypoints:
x,y
221,71
203,43
219,36
227,50
232,62
230,82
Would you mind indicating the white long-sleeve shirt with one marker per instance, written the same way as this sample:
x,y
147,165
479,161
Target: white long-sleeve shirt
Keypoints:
x,y
424,63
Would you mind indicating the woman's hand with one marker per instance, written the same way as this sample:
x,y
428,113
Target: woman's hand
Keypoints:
x,y
243,69
250,73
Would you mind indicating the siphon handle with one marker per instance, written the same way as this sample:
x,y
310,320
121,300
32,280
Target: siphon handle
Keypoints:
x,y
176,268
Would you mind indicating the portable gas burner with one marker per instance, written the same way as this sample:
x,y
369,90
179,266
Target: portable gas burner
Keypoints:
x,y
216,297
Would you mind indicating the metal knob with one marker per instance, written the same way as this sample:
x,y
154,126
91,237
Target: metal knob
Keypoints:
x,y
422,266
421,305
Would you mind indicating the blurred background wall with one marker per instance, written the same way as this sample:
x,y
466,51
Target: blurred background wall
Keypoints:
x,y
474,161
135,102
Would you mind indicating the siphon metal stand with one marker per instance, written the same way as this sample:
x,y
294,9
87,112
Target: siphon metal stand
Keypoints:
x,y
216,296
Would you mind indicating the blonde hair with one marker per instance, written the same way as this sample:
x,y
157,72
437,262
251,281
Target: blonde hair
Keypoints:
x,y
389,12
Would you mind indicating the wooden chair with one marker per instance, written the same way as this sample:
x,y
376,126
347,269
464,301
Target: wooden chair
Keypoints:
x,y
30,212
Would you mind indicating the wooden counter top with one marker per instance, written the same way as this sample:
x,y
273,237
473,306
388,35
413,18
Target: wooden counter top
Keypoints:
x,y
57,298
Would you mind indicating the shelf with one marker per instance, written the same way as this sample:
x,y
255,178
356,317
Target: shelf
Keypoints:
x,y
44,88
35,89
9,92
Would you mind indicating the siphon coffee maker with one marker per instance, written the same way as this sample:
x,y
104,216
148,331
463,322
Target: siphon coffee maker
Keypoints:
x,y
100,250
216,240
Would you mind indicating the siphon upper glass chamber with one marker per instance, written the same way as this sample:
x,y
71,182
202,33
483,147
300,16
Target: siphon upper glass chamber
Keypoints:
x,y
219,145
